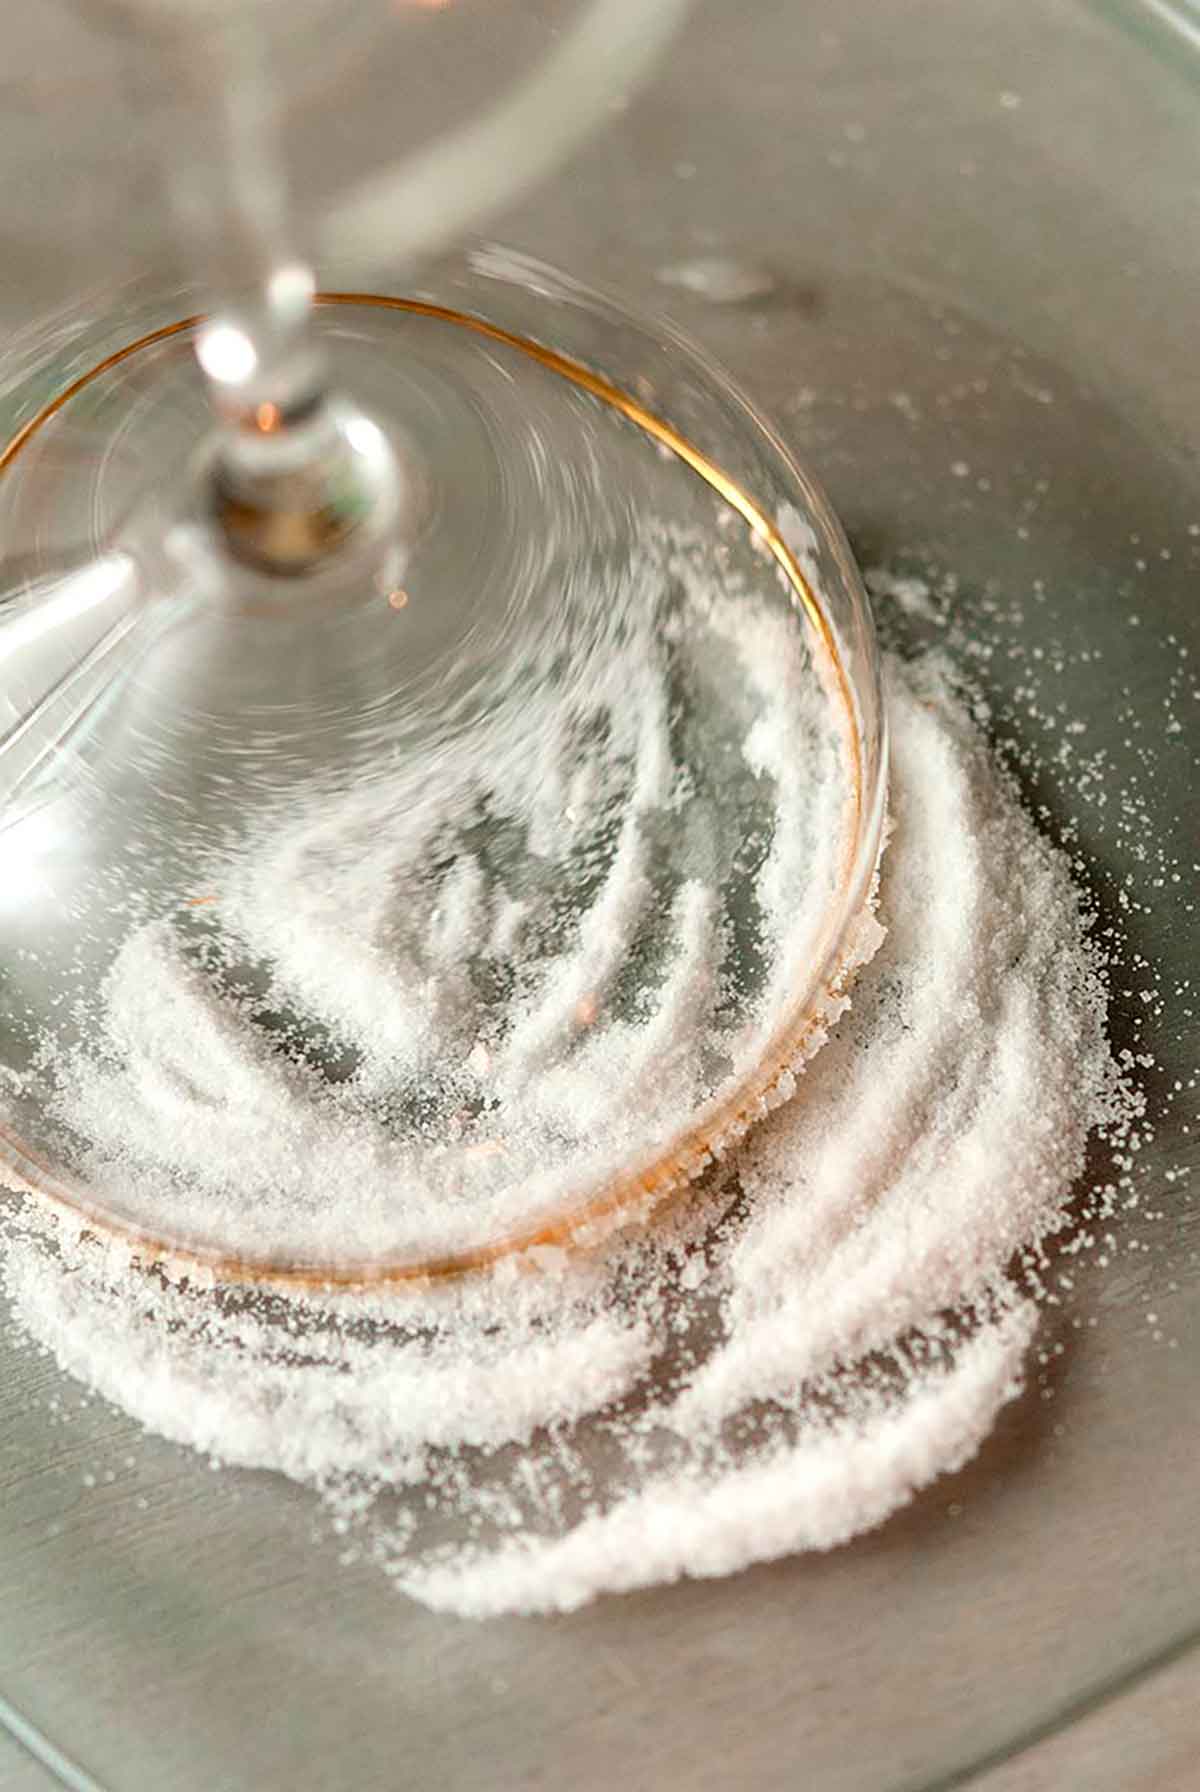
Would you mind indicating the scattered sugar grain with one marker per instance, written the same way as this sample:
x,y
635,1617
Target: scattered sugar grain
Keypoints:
x,y
828,1322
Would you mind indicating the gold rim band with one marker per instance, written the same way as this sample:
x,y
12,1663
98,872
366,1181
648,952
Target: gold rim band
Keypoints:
x,y
671,1171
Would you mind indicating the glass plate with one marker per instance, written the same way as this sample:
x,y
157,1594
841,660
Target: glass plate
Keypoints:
x,y
927,241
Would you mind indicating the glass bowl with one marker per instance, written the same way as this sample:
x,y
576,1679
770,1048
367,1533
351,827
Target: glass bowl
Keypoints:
x,y
597,494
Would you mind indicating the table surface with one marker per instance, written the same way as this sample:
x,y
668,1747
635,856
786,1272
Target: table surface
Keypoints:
x,y
1142,1740
959,237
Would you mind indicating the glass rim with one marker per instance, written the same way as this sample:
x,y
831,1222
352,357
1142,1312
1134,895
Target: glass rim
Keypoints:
x,y
664,1172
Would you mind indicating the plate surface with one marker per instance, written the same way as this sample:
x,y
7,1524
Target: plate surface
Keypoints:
x,y
925,242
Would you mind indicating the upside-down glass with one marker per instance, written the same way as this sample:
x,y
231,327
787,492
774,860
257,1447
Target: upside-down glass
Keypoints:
x,y
396,525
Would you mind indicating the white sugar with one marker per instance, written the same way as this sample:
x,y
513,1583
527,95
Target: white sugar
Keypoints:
x,y
823,1325
815,1330
811,1495
502,942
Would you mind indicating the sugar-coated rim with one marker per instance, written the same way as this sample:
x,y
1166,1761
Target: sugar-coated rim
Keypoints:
x,y
723,1120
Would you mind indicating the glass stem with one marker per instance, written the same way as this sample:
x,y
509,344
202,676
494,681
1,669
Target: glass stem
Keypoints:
x,y
287,479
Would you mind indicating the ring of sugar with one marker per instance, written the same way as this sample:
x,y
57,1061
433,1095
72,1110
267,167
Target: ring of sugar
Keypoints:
x,y
844,944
